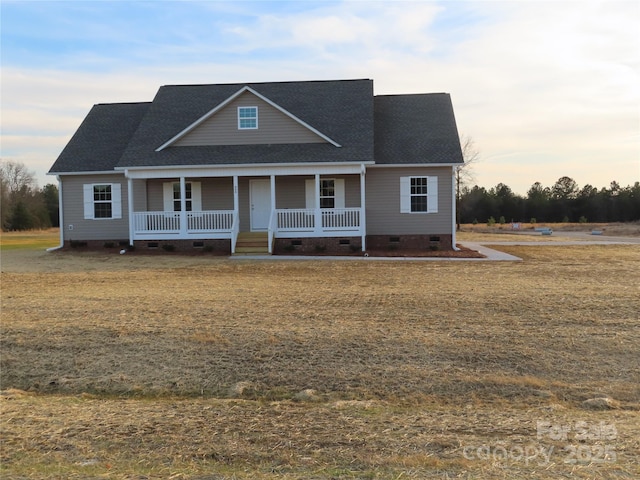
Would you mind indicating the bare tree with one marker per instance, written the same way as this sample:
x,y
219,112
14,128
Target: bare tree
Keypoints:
x,y
17,186
16,178
464,174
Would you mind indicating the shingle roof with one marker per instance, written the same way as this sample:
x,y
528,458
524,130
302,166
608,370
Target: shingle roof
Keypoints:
x,y
342,110
408,129
101,139
416,129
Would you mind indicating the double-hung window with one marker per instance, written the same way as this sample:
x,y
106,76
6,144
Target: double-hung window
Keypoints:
x,y
188,195
327,193
419,194
102,200
247,118
192,196
331,193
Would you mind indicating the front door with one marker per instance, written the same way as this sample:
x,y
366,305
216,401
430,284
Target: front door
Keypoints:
x,y
260,200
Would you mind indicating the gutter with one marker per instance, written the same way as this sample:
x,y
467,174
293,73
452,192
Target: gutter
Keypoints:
x,y
60,217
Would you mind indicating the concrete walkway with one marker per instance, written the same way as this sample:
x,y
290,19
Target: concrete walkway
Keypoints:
x,y
484,248
490,254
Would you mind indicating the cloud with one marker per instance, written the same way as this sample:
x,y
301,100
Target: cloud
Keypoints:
x,y
545,89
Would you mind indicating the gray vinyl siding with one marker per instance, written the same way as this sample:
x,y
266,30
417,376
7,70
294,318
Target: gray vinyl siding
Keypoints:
x,y
383,203
139,196
274,127
217,193
75,226
291,191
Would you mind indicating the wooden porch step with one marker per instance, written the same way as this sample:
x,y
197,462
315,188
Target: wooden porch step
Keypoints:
x,y
252,243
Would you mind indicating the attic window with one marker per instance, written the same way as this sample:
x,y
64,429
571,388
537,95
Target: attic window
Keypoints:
x,y
247,118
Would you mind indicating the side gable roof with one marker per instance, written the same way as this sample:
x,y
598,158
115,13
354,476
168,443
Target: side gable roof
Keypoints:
x,y
416,129
101,138
342,110
219,107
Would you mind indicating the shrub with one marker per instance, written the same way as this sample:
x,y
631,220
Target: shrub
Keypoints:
x,y
475,221
582,219
565,219
491,222
77,243
502,220
533,220
109,245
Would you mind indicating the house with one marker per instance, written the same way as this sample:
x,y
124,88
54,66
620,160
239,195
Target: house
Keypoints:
x,y
273,167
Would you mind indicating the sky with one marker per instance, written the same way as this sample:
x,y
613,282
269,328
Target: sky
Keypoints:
x,y
545,89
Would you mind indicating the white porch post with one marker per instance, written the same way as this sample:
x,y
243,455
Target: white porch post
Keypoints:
x,y
235,224
271,229
318,215
273,192
130,207
236,208
363,211
183,206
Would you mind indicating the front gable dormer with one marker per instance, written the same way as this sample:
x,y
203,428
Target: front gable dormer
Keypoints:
x,y
247,118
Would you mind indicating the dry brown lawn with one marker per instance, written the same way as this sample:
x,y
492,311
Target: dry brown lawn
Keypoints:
x,y
119,366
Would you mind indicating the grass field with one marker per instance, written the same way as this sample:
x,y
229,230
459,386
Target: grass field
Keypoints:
x,y
31,240
118,366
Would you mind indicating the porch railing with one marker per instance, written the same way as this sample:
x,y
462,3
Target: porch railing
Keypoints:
x,y
170,222
304,219
235,229
341,219
295,220
210,221
166,222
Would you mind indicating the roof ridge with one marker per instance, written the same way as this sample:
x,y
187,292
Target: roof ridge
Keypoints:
x,y
411,94
264,83
121,103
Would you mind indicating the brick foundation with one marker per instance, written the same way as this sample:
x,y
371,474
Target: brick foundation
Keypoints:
x,y
282,246
216,246
409,242
315,246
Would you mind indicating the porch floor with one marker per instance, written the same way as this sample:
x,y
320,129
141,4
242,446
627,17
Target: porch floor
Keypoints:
x,y
252,243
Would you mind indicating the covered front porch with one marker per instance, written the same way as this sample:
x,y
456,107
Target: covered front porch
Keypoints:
x,y
218,204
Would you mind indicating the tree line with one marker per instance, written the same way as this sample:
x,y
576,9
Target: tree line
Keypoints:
x,y
24,206
565,201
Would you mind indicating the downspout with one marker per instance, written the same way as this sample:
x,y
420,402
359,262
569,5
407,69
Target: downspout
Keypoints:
x,y
453,209
60,217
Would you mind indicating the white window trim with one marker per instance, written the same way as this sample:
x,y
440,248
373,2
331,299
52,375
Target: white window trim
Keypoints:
x,y
310,197
432,194
248,118
89,202
196,196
